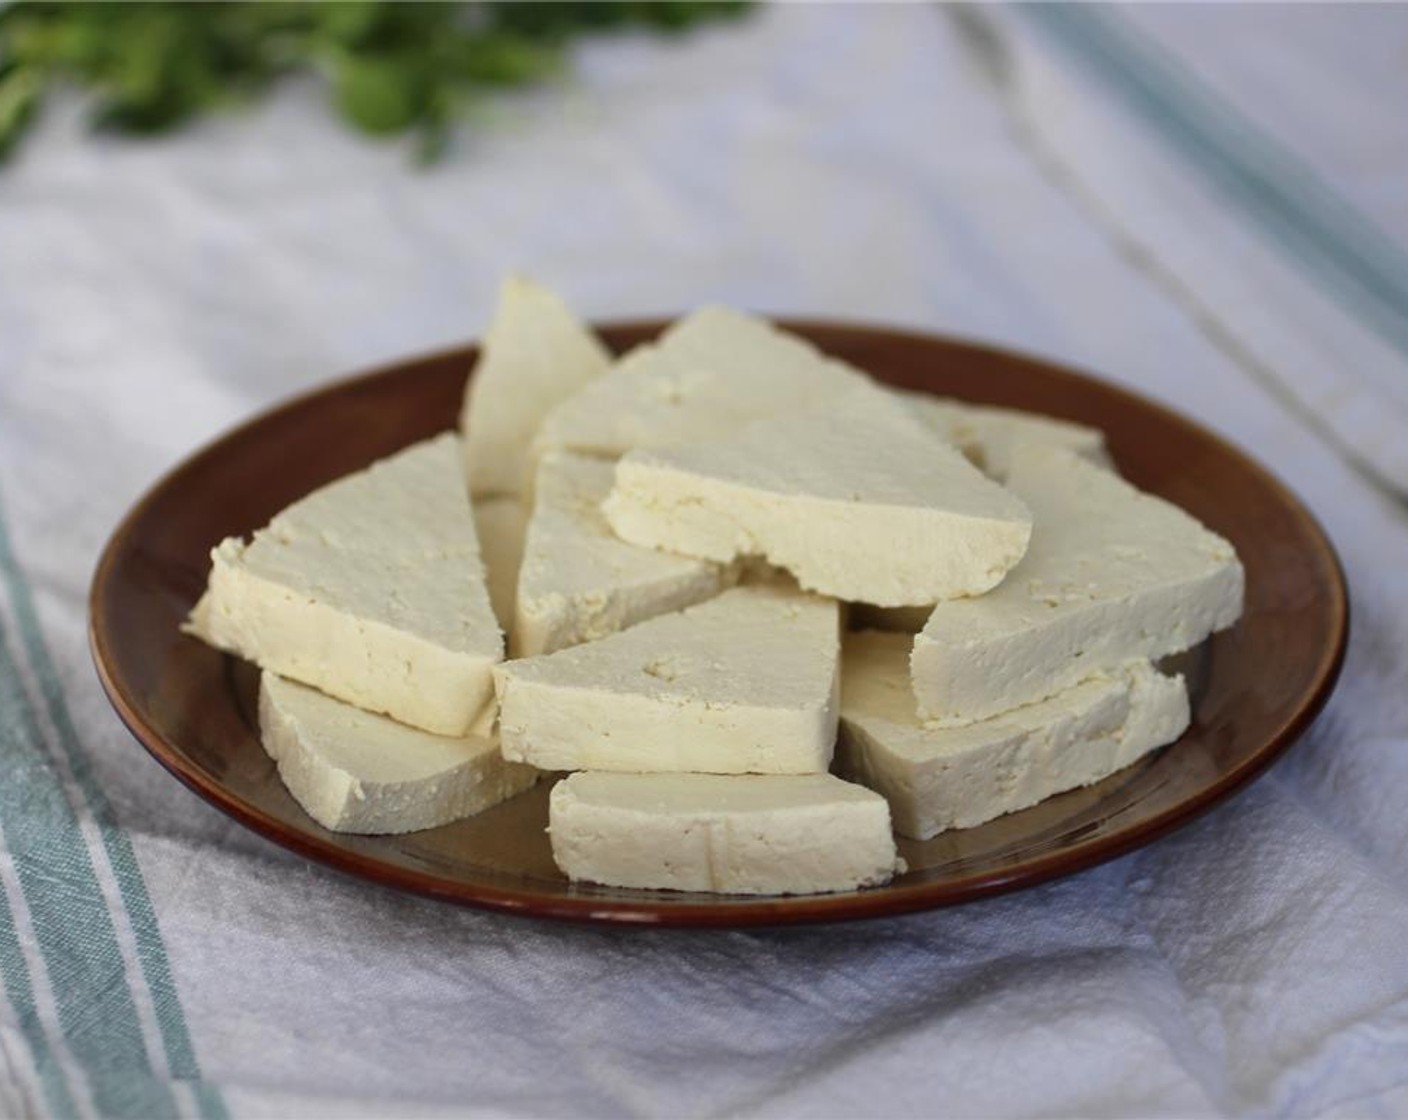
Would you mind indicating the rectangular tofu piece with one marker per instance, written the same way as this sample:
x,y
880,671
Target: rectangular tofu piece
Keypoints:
x,y
535,354
988,435
756,834
942,778
353,771
709,373
579,582
1112,575
370,589
501,525
854,497
744,683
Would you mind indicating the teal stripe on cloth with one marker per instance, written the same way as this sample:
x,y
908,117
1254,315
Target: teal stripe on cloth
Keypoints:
x,y
1353,261
14,974
70,917
151,950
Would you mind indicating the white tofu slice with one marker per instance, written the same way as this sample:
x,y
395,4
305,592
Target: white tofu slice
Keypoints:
x,y
536,353
353,771
854,497
579,582
708,374
501,524
941,778
755,834
744,683
988,434
1112,575
370,589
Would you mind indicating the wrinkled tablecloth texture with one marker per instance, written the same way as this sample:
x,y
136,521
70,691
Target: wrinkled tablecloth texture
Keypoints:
x,y
1207,203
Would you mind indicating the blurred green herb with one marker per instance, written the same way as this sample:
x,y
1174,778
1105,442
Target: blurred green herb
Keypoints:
x,y
392,67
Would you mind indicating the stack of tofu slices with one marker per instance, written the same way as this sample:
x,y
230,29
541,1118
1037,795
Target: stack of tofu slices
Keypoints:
x,y
765,611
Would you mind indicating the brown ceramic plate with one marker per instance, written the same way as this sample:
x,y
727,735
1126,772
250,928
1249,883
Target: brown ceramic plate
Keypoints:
x,y
1255,688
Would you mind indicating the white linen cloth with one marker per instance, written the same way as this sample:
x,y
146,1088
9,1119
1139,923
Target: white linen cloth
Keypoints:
x,y
979,171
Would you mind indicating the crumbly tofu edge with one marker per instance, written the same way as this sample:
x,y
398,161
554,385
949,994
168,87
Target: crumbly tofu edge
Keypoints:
x,y
830,846
1006,764
564,727
343,801
660,506
409,679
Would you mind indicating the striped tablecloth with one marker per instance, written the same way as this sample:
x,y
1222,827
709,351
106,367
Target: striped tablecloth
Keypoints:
x,y
1207,203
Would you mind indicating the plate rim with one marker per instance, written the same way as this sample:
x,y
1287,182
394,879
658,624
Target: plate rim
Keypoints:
x,y
674,911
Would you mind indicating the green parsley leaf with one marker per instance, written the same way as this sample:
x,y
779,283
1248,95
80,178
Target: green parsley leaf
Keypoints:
x,y
150,66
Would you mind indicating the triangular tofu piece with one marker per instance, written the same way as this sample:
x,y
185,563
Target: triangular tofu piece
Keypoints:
x,y
353,771
536,353
370,589
501,524
989,435
1112,575
941,778
742,834
709,373
743,684
855,497
579,581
